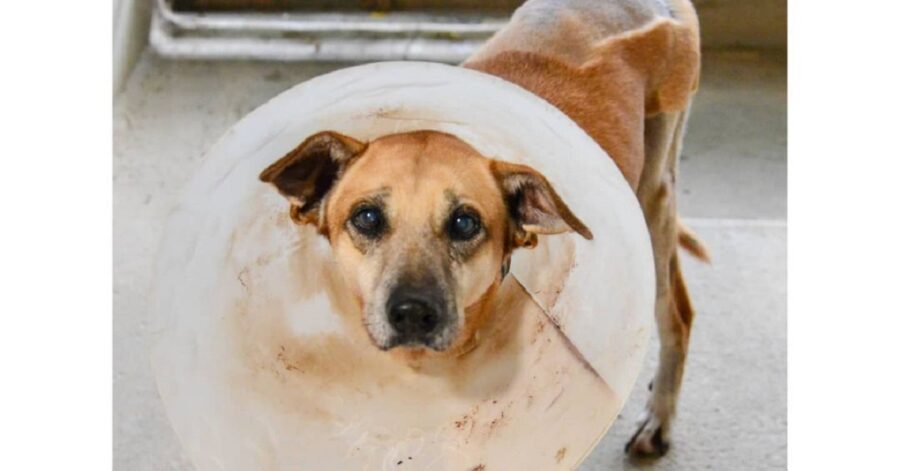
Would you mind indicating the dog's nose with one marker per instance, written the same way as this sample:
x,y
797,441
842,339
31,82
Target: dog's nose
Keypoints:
x,y
413,318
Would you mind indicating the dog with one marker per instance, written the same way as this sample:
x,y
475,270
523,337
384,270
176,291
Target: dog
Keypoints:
x,y
424,255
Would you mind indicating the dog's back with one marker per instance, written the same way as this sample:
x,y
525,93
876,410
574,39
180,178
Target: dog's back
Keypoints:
x,y
568,29
608,64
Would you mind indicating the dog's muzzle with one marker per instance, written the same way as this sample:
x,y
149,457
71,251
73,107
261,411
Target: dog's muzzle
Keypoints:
x,y
418,316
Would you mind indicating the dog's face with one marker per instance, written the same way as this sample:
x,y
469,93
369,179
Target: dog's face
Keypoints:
x,y
421,225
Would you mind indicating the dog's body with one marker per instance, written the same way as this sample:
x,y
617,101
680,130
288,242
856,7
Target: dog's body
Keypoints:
x,y
425,255
625,71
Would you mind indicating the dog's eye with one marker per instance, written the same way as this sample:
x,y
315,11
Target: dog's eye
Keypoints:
x,y
368,220
463,226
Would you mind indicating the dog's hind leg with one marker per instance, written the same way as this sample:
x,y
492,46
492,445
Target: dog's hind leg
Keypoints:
x,y
674,313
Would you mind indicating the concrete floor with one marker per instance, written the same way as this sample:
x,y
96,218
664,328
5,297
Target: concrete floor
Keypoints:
x,y
732,190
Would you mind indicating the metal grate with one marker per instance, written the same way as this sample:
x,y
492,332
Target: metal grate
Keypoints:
x,y
293,30
432,6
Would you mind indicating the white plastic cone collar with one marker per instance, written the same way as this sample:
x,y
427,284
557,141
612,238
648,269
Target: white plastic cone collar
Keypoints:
x,y
261,361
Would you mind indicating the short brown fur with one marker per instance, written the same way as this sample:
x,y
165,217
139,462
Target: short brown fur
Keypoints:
x,y
625,71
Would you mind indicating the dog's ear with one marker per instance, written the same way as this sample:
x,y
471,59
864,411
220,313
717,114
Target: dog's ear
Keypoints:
x,y
533,204
306,174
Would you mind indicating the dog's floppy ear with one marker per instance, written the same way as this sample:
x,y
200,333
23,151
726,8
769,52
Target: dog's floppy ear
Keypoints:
x,y
306,174
534,205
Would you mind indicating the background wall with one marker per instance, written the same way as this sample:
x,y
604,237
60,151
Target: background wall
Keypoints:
x,y
725,24
743,23
131,24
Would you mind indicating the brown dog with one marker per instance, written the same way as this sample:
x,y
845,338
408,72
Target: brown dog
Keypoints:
x,y
424,255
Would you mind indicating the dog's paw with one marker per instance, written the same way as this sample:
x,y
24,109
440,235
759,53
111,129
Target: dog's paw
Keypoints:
x,y
651,440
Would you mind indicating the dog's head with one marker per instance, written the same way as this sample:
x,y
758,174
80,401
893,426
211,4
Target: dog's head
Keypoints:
x,y
421,225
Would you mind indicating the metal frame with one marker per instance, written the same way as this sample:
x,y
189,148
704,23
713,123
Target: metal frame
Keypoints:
x,y
318,36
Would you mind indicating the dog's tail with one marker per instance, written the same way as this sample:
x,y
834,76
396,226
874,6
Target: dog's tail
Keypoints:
x,y
691,243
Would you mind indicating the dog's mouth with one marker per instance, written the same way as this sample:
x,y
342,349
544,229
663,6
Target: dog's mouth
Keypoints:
x,y
413,328
432,344
438,341
413,317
